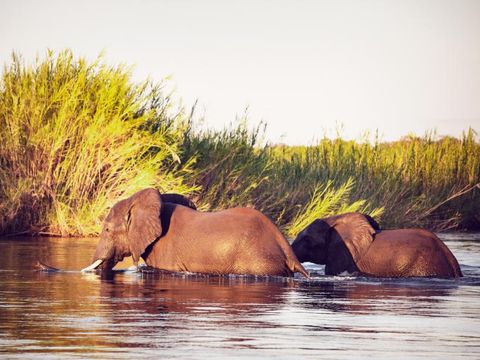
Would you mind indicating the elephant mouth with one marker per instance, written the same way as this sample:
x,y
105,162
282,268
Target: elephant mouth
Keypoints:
x,y
93,266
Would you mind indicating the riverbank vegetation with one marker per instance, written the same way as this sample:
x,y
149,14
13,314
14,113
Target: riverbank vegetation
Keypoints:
x,y
76,136
425,181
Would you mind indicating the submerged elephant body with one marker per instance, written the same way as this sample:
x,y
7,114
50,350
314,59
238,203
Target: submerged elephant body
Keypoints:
x,y
418,253
245,243
353,243
174,237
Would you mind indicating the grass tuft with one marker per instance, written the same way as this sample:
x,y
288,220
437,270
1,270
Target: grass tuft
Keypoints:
x,y
327,201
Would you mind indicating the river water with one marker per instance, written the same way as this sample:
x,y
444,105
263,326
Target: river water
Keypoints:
x,y
126,314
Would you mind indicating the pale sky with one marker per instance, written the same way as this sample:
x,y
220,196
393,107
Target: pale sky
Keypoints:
x,y
304,67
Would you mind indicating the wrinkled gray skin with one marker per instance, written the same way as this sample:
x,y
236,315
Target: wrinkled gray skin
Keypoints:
x,y
174,237
353,242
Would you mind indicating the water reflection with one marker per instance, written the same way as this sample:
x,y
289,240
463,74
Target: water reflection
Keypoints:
x,y
164,293
366,297
123,314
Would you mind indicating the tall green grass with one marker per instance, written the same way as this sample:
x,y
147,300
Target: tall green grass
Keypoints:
x,y
233,168
76,137
327,201
420,181
427,181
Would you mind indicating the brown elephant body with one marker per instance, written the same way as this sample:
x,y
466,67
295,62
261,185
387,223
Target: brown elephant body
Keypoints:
x,y
352,242
409,253
174,237
233,241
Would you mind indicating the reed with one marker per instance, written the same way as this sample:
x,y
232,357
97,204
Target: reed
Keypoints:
x,y
427,181
328,201
233,168
76,137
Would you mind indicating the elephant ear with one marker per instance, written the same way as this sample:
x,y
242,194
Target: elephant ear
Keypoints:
x,y
144,225
356,232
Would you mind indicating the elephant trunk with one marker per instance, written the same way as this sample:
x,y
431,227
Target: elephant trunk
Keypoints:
x,y
104,257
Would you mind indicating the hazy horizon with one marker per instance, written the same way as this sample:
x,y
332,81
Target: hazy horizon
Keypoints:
x,y
303,67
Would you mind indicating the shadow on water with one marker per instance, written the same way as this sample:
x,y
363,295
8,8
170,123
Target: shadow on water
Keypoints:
x,y
190,316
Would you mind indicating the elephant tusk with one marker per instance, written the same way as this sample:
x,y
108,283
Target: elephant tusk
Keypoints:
x,y
93,266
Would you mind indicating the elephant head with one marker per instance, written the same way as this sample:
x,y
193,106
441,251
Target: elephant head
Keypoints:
x,y
131,226
325,240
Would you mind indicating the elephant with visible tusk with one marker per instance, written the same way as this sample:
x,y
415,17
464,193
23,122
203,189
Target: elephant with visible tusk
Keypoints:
x,y
173,237
353,242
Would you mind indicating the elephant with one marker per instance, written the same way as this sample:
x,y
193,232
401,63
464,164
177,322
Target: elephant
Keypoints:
x,y
353,242
173,237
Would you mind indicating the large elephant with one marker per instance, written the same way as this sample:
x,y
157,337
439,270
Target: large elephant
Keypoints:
x,y
353,242
177,238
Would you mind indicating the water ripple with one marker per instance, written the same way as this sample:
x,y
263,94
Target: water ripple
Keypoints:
x,y
125,315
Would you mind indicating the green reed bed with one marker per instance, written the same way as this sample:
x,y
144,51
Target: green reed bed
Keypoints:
x,y
420,181
76,137
425,181
234,169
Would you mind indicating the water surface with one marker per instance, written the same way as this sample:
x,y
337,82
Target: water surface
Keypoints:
x,y
126,314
